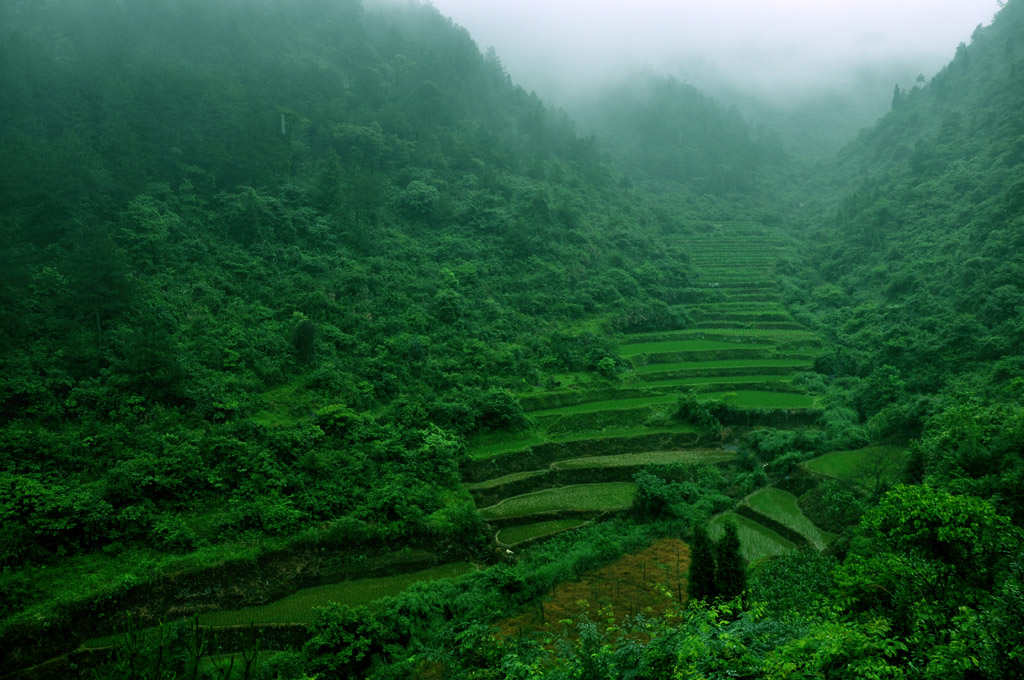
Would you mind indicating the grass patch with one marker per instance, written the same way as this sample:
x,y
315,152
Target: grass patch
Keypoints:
x,y
525,532
688,457
610,496
298,607
782,507
756,540
286,405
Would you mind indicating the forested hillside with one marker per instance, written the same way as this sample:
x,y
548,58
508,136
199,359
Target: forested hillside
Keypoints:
x,y
265,264
919,275
665,131
311,318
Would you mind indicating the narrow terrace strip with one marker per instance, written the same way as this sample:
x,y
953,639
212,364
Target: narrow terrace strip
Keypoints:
x,y
782,507
607,405
756,540
687,345
600,497
749,364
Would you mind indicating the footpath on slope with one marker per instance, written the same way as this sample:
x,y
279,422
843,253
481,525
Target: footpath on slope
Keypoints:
x,y
589,437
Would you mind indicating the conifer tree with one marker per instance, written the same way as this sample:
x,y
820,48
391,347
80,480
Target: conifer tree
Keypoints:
x,y
701,584
730,569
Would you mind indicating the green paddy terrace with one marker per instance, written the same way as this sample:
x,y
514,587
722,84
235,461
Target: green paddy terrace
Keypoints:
x,y
741,347
756,540
781,506
580,497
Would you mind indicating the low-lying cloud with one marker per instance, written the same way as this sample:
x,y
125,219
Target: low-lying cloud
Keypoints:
x,y
773,48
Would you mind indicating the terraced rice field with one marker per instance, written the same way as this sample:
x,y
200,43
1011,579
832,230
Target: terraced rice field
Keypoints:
x,y
782,507
765,399
687,457
522,444
598,497
862,466
756,540
633,584
608,405
506,479
298,607
719,379
717,334
663,347
742,347
745,364
525,532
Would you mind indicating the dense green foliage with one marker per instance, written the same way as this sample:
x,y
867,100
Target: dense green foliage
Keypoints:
x,y
918,275
251,270
284,275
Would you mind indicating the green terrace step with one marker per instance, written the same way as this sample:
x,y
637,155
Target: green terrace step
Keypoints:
x,y
721,265
781,506
724,383
726,265
553,399
690,345
744,339
606,405
608,497
300,606
701,367
755,297
756,540
709,272
505,480
731,238
673,358
762,399
681,457
660,375
759,325
486,463
868,466
614,418
590,470
715,334
519,534
745,286
748,316
771,305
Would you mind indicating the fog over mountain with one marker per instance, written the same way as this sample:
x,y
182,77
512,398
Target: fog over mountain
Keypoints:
x,y
779,48
769,58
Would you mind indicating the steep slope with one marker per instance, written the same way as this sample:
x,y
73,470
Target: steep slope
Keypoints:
x,y
919,275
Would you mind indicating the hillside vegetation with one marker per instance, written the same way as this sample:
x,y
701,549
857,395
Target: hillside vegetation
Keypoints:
x,y
311,318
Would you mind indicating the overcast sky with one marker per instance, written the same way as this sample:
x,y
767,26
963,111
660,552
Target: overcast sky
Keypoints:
x,y
774,46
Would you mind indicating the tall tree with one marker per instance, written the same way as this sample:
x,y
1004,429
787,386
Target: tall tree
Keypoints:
x,y
730,569
701,584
